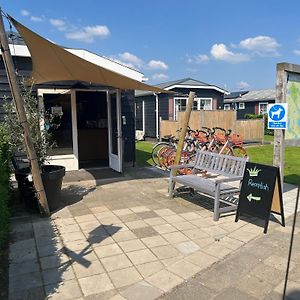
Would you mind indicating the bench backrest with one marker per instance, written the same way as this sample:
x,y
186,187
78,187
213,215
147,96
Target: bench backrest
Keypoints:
x,y
220,164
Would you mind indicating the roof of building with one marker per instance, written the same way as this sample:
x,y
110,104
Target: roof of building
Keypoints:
x,y
182,83
234,95
253,96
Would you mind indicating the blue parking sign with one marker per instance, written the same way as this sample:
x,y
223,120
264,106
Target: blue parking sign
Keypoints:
x,y
277,116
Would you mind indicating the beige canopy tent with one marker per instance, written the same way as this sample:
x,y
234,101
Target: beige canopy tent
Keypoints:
x,y
53,63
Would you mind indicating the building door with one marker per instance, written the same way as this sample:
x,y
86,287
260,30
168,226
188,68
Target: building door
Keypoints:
x,y
114,130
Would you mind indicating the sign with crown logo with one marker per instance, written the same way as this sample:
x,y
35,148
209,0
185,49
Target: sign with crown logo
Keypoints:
x,y
261,193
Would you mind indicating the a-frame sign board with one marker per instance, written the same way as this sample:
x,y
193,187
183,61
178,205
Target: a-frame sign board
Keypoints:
x,y
261,193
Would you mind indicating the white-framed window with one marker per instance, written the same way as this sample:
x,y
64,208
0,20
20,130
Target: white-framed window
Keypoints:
x,y
262,108
226,106
199,103
241,105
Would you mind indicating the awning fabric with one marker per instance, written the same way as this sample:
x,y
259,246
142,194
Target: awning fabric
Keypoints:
x,y
51,62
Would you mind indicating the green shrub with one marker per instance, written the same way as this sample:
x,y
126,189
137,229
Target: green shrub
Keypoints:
x,y
253,116
5,188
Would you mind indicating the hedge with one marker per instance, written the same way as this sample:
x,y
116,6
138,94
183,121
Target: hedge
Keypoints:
x,y
5,188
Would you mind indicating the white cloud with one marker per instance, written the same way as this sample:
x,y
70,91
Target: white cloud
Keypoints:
x,y
130,59
221,52
89,33
297,52
242,85
160,76
57,22
36,19
25,13
198,59
262,45
157,65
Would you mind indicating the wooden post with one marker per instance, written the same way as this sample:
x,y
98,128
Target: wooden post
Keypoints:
x,y
21,114
183,130
278,159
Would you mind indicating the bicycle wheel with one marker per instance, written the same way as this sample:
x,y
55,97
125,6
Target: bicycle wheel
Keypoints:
x,y
155,151
239,151
163,155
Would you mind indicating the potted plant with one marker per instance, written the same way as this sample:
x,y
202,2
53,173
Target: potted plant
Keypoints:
x,y
39,123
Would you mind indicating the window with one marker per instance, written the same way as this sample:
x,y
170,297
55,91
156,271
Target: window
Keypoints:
x,y
226,106
199,103
262,108
241,105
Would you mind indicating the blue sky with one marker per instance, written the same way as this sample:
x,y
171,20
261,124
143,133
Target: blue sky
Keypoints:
x,y
234,44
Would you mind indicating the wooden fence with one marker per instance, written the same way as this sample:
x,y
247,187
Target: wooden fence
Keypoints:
x,y
250,129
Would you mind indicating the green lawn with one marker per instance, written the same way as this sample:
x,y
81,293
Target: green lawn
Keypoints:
x,y
260,154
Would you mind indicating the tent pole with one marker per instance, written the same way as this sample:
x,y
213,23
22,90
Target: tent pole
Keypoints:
x,y
183,130
21,114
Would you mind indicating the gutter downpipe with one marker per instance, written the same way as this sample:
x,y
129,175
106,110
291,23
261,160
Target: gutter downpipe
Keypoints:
x,y
157,117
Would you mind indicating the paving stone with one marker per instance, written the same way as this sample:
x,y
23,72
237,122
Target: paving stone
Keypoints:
x,y
190,216
184,269
278,262
116,262
214,231
154,241
195,234
53,261
150,268
66,290
28,294
186,248
68,228
74,236
55,275
230,243
104,215
141,256
87,268
100,241
242,235
217,250
75,246
136,224
164,228
132,245
170,261
130,217
164,280
124,236
292,290
25,281
22,251
141,290
163,252
49,250
108,250
174,219
175,237
201,259
117,297
89,226
147,214
164,212
254,286
232,294
144,232
184,225
124,277
202,243
29,266
122,212
95,284
155,221
98,209
139,209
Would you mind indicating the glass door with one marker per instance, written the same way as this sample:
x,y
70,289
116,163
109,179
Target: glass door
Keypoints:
x,y
115,130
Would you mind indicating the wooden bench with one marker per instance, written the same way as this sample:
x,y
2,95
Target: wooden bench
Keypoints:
x,y
221,180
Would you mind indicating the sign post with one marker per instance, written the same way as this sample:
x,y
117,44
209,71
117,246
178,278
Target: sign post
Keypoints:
x,y
261,193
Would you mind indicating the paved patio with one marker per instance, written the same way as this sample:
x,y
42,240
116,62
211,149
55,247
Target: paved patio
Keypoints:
x,y
122,238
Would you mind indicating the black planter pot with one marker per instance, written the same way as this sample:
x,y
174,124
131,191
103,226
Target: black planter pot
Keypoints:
x,y
52,177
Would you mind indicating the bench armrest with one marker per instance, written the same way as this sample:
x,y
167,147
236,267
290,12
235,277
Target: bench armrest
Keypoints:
x,y
228,179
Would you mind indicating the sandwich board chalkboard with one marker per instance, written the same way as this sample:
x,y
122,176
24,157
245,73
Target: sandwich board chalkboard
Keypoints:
x,y
261,193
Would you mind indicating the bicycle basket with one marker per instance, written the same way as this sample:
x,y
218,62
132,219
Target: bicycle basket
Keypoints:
x,y
236,139
220,138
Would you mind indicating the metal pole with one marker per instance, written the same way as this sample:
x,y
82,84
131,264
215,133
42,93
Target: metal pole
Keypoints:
x,y
15,91
183,130
291,244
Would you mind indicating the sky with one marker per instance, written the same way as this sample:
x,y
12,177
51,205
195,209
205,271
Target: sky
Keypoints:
x,y
234,44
